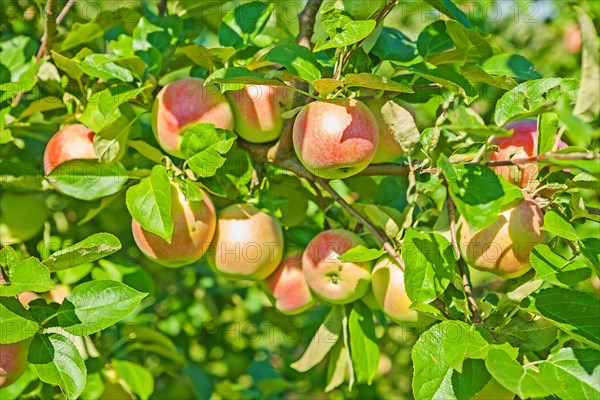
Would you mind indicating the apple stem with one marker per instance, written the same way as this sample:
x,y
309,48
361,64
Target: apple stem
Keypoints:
x,y
463,270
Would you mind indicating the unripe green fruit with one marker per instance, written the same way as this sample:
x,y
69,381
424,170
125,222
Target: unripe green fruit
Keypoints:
x,y
22,217
248,243
503,248
329,278
194,225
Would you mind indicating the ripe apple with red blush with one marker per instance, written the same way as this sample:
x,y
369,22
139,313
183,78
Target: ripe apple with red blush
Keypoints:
x,y
73,142
289,287
335,139
182,103
331,279
194,225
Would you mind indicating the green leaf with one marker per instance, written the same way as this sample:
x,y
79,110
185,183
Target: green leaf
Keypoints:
x,y
325,338
393,45
110,143
574,312
401,124
512,65
28,275
434,39
363,343
525,382
104,66
531,98
590,247
88,179
440,353
348,33
80,34
578,371
103,108
90,249
148,151
149,203
96,305
241,75
556,270
449,8
241,25
430,265
14,326
70,66
137,378
471,380
298,60
361,253
337,368
548,127
469,42
372,81
324,86
557,224
445,76
528,334
588,99
477,74
207,57
204,147
476,191
66,369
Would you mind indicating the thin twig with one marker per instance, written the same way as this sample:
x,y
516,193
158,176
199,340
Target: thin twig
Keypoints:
x,y
463,271
384,12
306,19
162,7
64,11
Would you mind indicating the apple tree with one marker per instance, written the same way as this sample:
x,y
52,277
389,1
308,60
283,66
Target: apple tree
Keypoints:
x,y
340,199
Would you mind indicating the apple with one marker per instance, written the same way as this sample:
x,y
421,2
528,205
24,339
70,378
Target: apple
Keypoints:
x,y
22,217
13,361
572,39
388,148
73,142
288,286
185,102
329,278
257,111
335,139
387,281
58,294
194,227
504,247
248,243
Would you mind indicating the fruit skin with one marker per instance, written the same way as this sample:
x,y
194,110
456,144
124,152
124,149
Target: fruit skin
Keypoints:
x,y
387,281
13,361
335,139
185,102
257,111
522,144
248,243
194,225
73,142
572,39
329,278
503,247
388,148
22,217
288,286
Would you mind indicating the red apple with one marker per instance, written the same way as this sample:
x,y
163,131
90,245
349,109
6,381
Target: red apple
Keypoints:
x,y
194,227
388,148
329,278
572,39
335,139
257,111
185,102
288,286
504,247
387,281
13,361
248,243
73,142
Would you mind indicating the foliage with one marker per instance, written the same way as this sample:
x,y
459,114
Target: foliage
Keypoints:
x,y
132,328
